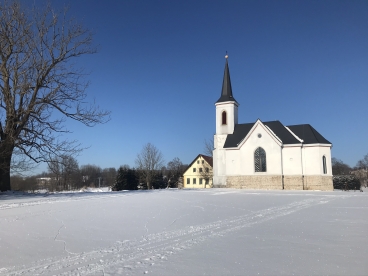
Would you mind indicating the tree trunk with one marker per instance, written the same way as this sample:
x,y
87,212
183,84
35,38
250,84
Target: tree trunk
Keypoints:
x,y
5,159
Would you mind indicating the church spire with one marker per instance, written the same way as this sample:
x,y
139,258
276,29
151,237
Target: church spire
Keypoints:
x,y
226,93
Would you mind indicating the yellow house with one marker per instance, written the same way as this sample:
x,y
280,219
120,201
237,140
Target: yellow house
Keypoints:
x,y
199,173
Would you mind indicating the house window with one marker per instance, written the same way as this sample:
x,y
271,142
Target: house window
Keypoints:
x,y
260,160
224,117
194,180
207,181
324,164
194,169
197,161
200,181
207,170
200,169
202,161
188,180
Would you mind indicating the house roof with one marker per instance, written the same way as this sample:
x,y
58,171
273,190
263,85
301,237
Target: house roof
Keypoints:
x,y
308,134
208,159
226,93
305,132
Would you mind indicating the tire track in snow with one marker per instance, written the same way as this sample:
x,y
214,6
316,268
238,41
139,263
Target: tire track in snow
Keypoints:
x,y
61,200
128,256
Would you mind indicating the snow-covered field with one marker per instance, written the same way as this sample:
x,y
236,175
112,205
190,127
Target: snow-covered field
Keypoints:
x,y
185,232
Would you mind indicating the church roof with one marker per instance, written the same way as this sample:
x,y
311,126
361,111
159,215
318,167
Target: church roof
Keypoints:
x,y
279,129
226,93
305,132
240,131
308,134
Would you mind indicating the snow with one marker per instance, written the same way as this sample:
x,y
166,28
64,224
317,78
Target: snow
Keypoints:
x,y
184,232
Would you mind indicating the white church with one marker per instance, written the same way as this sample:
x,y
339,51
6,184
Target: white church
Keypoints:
x,y
267,155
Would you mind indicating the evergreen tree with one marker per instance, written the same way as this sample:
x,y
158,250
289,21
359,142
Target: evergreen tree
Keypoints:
x,y
158,182
126,179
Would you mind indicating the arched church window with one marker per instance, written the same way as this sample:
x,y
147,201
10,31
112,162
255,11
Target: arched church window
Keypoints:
x,y
260,160
224,117
324,164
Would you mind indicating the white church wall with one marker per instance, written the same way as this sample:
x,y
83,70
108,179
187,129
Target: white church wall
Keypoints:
x,y
234,162
219,141
241,162
312,159
327,152
219,178
314,178
292,160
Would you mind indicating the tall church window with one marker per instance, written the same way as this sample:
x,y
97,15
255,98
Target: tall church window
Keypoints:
x,y
224,117
260,160
324,164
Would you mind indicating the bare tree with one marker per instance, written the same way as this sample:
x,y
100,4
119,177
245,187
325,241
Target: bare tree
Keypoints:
x,y
339,167
208,147
206,171
174,171
66,171
361,170
39,86
149,163
363,163
91,175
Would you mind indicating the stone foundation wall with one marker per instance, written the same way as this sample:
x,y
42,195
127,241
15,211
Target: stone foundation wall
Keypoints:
x,y
264,182
318,182
274,182
219,186
293,182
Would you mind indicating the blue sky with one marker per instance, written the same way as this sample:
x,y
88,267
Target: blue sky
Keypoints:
x,y
160,65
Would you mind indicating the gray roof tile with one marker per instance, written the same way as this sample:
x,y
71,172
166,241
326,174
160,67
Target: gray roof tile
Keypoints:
x,y
308,134
305,132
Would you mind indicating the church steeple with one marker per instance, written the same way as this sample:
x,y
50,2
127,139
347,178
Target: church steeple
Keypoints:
x,y
226,93
226,106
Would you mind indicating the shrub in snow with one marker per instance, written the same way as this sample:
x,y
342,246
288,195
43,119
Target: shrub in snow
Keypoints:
x,y
346,182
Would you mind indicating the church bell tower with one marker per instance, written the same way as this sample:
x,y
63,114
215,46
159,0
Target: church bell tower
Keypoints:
x,y
226,118
226,106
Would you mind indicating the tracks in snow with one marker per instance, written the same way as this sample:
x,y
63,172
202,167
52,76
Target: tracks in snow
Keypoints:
x,y
128,256
53,199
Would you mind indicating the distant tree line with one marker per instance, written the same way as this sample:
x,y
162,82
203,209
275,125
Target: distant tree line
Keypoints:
x,y
64,173
64,176
150,172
